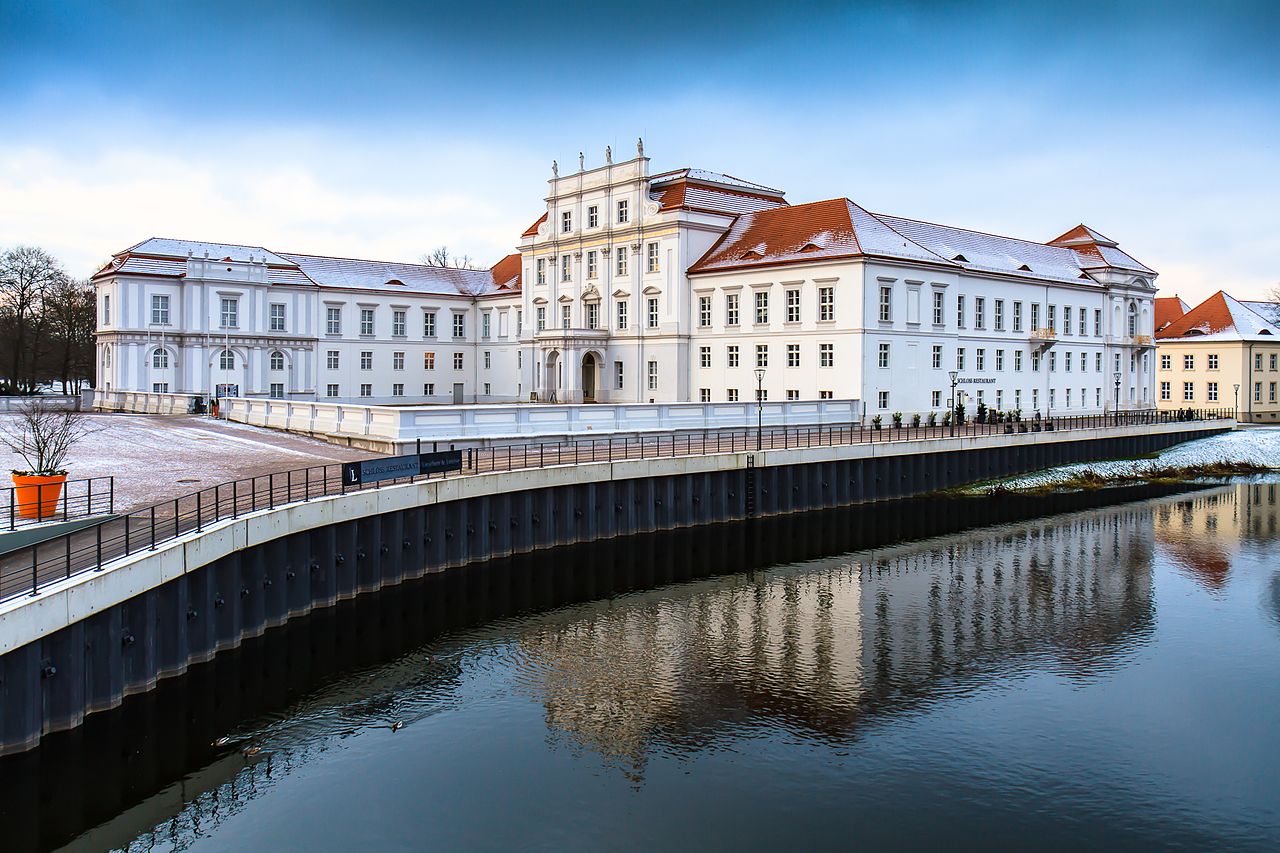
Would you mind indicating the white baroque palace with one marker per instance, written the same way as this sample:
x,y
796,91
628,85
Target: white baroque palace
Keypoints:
x,y
637,287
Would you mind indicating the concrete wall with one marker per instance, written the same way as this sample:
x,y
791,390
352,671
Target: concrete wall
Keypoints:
x,y
84,644
56,401
144,402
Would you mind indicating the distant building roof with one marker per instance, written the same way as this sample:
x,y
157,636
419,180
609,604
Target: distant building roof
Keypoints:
x,y
1168,309
1220,318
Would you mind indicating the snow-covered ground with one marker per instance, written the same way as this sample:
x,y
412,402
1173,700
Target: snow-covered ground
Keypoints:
x,y
1255,445
157,457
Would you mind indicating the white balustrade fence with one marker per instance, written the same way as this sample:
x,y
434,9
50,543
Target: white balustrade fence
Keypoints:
x,y
145,402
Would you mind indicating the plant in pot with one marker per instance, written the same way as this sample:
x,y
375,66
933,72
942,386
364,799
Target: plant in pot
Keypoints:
x,y
915,420
897,420
42,437
875,422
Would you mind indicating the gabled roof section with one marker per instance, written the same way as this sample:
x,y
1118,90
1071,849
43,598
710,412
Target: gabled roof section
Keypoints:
x,y
1095,251
1082,235
821,230
1220,318
506,273
532,230
1168,309
711,192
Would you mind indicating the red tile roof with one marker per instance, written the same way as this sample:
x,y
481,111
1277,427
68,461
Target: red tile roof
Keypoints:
x,y
506,273
1168,309
532,230
1220,315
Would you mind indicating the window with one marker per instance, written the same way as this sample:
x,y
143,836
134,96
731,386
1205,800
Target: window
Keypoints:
x,y
1188,362
1271,393
1053,324
762,394
999,359
542,270
566,316
1017,361
979,312
428,361
1035,362
227,360
429,324
793,305
1211,392
1052,395
622,313
936,400
826,395
1068,394
366,321
542,318
488,388
793,394
731,394
397,389
937,308
704,394
429,389
652,258
793,355
1133,319
397,361
1066,327
762,306
593,216
1188,391
591,264
1097,322
883,357
1213,361
331,391
762,355
1035,316
617,375
366,360
980,361
1257,361
826,355
704,355
459,325
826,304
704,311
1066,358
160,387
230,312
276,360
960,311
883,400
1257,392
398,323
160,310
624,212
652,310
333,320
519,321
731,355
653,376
160,359
1273,361
106,309
366,390
731,309
959,358
1166,362
999,315
566,221
886,303
1017,316
1053,362
1000,399
277,316
457,361
593,315
1084,329
486,324
332,360
566,268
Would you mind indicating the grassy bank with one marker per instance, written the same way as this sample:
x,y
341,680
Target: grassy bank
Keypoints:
x,y
1166,474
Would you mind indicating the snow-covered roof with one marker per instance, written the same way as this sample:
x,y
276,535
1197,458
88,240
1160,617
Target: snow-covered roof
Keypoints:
x,y
1221,318
709,177
1269,310
168,257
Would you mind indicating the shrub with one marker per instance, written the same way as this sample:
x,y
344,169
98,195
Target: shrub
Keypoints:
x,y
915,420
897,420
933,419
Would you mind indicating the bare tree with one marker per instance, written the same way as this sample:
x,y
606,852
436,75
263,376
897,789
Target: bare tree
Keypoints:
x,y
27,273
441,257
43,436
70,309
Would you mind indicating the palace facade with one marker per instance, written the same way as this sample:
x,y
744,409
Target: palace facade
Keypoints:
x,y
685,285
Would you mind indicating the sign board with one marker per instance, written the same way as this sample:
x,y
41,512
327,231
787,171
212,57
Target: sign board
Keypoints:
x,y
394,467
976,381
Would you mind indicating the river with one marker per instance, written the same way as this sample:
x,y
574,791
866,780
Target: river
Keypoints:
x,y
1006,672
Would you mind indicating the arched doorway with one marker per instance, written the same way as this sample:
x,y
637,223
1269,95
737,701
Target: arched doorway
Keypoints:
x,y
589,369
550,376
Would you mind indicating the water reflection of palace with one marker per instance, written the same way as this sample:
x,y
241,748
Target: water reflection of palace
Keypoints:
x,y
1201,532
821,646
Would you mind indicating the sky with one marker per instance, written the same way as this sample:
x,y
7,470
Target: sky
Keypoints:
x,y
383,130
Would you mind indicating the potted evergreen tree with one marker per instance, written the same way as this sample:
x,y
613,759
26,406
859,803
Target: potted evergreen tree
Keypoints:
x,y
42,437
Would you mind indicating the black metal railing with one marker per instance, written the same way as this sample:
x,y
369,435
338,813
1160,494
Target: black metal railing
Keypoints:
x,y
92,547
42,503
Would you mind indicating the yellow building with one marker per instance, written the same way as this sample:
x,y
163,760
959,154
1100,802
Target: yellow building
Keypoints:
x,y
1223,353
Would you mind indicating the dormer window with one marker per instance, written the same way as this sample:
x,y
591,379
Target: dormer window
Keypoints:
x,y
395,282
961,258
810,247
750,255
1025,268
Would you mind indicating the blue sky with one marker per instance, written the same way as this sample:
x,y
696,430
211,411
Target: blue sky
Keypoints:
x,y
384,129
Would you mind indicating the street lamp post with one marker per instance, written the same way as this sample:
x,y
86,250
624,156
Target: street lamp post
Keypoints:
x,y
759,405
1116,377
1236,414
955,375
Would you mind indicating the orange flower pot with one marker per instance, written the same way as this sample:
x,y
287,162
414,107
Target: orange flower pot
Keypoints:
x,y
36,495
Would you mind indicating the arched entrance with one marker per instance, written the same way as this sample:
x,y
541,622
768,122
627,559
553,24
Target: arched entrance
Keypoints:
x,y
590,366
549,376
